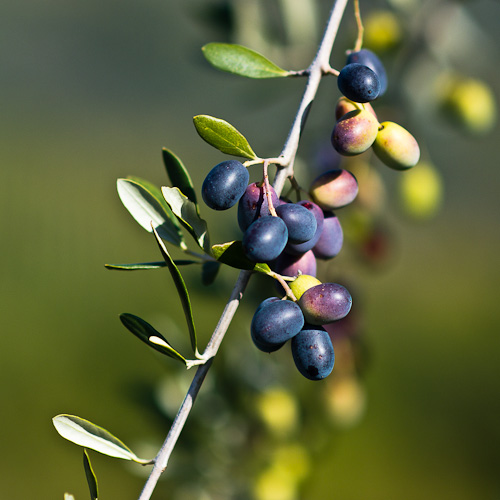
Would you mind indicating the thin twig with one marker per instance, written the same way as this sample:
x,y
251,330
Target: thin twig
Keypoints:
x,y
331,71
359,23
163,456
288,291
315,72
267,190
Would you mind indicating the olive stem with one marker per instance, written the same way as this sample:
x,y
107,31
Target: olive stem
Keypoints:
x,y
267,190
285,286
361,29
258,161
296,187
161,460
285,160
331,71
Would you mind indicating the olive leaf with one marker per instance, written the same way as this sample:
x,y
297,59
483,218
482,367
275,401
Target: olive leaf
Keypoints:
x,y
182,290
178,174
209,272
241,61
186,211
223,136
90,475
145,203
148,265
232,254
86,434
149,335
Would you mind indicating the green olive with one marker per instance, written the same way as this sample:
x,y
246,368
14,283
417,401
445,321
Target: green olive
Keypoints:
x,y
302,283
396,147
421,191
471,103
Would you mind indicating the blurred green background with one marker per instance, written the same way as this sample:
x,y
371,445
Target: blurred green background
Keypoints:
x,y
91,91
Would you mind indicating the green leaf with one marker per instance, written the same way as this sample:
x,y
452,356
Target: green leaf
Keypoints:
x,y
145,203
86,434
90,475
181,290
241,61
232,254
150,336
209,272
223,136
178,174
186,211
148,265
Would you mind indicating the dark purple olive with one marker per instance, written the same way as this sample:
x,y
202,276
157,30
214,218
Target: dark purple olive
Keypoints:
x,y
253,204
331,239
224,185
358,83
274,323
370,59
265,239
325,303
313,353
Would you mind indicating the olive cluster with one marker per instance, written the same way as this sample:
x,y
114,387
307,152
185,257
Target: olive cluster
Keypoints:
x,y
276,321
290,237
361,81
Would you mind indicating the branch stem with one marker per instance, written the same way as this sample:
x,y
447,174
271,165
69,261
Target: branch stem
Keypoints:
x,y
161,460
316,70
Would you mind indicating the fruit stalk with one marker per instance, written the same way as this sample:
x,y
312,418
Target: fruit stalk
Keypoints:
x,y
316,70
